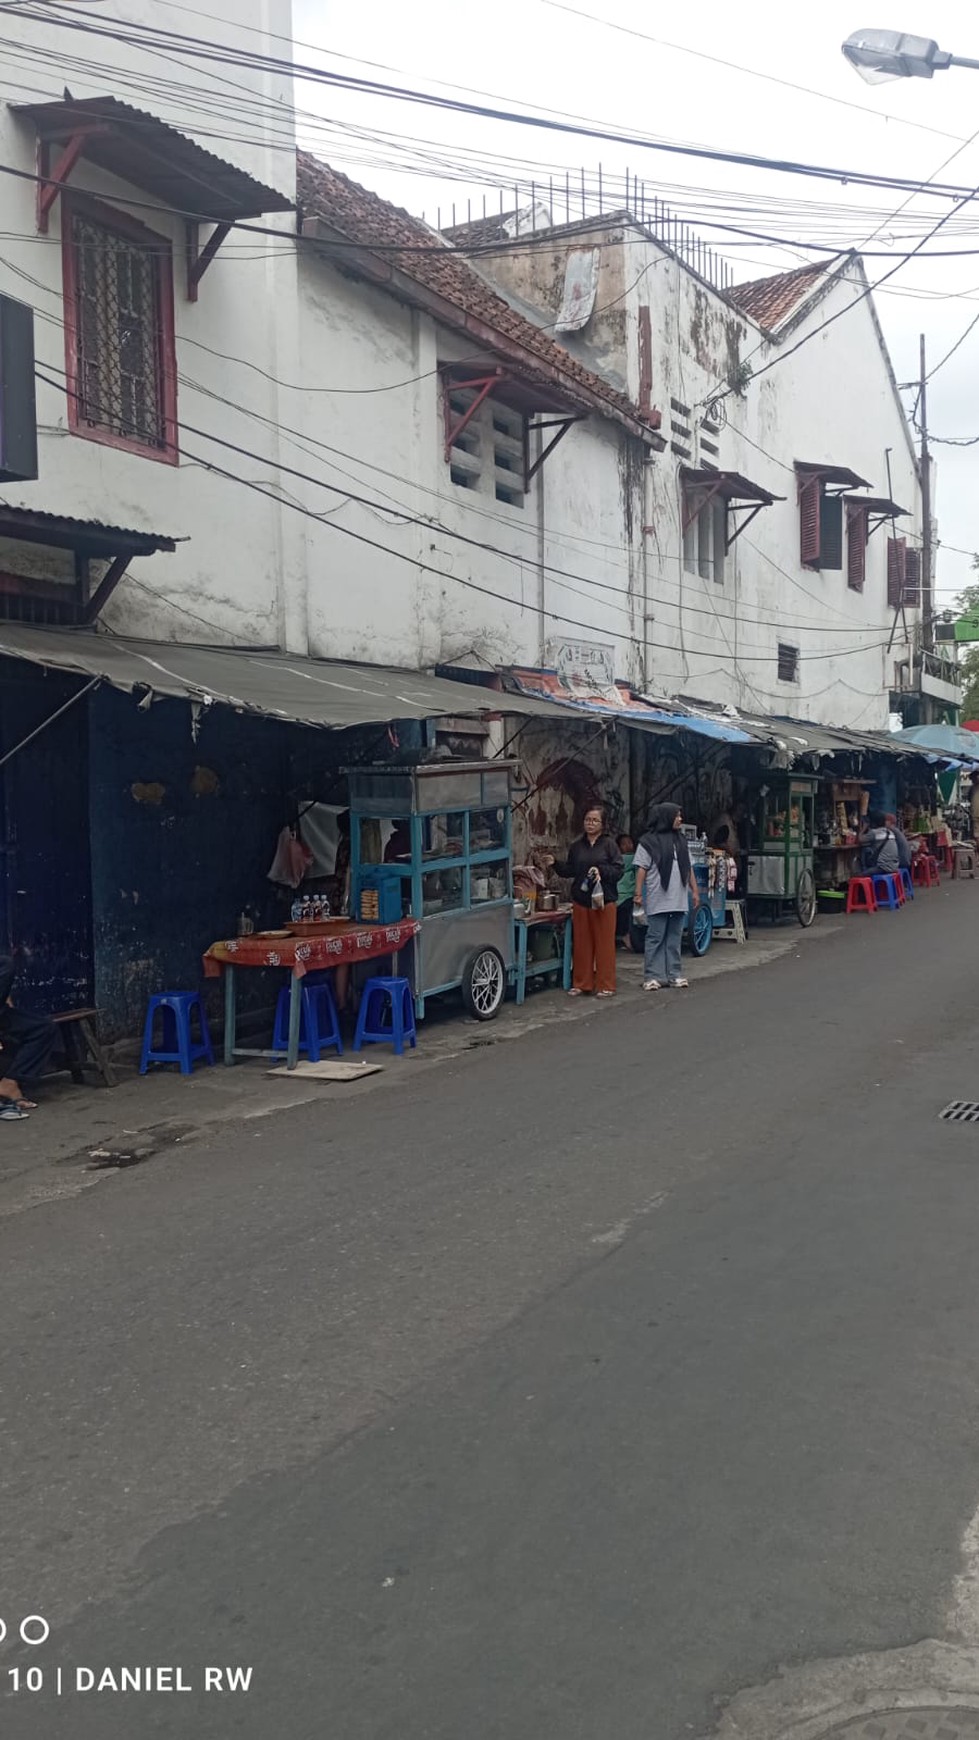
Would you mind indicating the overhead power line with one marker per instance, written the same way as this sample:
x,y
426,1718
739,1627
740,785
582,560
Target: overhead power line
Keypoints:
x,y
200,48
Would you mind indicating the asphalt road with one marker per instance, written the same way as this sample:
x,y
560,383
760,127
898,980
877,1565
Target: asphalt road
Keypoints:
x,y
556,1394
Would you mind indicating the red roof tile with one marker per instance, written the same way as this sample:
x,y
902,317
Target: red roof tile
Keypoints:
x,y
364,217
769,301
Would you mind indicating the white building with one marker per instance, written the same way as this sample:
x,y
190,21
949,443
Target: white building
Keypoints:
x,y
783,569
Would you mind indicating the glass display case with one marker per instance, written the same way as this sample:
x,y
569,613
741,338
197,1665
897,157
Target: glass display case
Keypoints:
x,y
434,840
780,862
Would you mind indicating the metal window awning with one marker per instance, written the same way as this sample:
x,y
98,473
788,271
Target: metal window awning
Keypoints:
x,y
741,495
88,541
149,154
879,509
840,475
303,691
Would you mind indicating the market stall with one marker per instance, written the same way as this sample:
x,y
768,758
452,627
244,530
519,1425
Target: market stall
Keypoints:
x,y
434,840
780,860
841,812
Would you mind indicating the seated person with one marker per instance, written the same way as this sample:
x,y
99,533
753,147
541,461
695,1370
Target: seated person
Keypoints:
x,y
27,1042
880,851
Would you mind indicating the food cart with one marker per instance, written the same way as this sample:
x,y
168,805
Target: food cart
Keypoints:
x,y
780,858
434,840
710,869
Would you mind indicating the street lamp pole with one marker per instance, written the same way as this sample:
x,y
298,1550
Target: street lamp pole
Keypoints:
x,y
927,626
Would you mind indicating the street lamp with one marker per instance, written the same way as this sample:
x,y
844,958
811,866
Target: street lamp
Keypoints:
x,y
892,54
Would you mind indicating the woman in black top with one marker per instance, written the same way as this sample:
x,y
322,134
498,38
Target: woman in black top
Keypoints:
x,y
594,863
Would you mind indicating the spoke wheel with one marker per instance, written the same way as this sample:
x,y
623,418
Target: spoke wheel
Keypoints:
x,y
483,983
805,899
701,929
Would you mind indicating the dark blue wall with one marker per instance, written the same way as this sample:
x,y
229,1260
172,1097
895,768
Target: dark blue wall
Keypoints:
x,y
183,833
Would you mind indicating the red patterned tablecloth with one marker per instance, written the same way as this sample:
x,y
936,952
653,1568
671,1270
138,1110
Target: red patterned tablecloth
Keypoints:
x,y
307,954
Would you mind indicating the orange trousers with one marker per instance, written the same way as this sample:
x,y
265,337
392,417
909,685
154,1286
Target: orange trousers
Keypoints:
x,y
593,937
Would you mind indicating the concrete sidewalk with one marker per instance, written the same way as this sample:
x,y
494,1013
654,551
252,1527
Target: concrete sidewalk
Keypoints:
x,y
80,1135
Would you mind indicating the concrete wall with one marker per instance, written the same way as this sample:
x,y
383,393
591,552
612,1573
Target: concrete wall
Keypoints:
x,y
567,561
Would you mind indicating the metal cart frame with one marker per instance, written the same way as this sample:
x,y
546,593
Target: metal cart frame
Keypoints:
x,y
467,942
780,861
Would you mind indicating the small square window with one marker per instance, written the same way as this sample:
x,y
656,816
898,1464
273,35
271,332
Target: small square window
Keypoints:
x,y
788,663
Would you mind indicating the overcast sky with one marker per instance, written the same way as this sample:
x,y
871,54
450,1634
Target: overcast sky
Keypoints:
x,y
541,57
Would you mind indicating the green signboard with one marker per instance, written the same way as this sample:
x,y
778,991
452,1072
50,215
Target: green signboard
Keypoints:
x,y
967,628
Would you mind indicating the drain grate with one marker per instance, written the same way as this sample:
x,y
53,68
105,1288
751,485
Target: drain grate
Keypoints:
x,y
961,1112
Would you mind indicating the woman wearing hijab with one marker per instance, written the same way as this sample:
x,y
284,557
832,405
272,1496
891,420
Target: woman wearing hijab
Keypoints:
x,y
664,878
594,864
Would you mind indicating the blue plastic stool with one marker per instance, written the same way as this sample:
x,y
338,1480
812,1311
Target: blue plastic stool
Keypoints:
x,y
387,1015
319,1024
887,890
906,883
177,1044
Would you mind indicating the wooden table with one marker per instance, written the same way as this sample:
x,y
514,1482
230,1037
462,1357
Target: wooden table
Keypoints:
x,y
344,941
555,921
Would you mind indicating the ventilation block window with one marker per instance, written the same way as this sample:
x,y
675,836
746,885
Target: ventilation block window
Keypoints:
x,y
704,534
487,452
788,663
119,332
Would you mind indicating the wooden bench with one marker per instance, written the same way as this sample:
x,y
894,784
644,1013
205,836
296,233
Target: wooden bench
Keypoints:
x,y
78,1032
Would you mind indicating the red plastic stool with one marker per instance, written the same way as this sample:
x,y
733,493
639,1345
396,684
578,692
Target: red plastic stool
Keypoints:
x,y
947,857
860,895
931,867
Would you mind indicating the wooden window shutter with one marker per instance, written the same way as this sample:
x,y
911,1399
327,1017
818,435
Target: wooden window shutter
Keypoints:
x,y
896,554
912,578
856,546
810,497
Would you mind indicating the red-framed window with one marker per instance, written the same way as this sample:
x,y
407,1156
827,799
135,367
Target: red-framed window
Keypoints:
x,y
120,357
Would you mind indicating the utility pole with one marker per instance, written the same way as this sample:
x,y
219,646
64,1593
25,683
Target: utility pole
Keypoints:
x,y
927,604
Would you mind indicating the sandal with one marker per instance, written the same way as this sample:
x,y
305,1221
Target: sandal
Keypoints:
x,y
10,1110
574,992
605,993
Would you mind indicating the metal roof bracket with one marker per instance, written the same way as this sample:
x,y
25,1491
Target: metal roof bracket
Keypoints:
x,y
561,425
199,258
454,428
51,181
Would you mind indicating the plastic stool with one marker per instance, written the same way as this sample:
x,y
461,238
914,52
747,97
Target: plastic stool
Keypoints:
x,y
319,1024
888,892
906,882
387,1015
178,1045
964,861
932,877
919,870
860,895
946,857
734,927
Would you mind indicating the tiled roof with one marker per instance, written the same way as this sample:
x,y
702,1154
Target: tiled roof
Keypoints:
x,y
771,300
484,231
364,217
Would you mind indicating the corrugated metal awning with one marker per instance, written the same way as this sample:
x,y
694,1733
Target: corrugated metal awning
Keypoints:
x,y
148,153
302,690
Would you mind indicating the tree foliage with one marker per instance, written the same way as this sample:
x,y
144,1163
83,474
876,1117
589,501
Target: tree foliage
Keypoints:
x,y
967,604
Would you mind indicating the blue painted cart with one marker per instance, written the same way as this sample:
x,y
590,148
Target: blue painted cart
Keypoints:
x,y
710,870
448,864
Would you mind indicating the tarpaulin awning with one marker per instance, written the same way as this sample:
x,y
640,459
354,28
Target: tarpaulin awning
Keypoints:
x,y
940,740
618,704
305,691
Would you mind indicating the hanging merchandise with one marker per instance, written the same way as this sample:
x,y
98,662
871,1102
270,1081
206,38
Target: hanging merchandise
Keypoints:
x,y
292,860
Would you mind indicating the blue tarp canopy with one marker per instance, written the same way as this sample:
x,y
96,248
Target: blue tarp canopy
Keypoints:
x,y
948,741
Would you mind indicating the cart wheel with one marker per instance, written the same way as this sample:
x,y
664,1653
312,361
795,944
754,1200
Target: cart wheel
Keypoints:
x,y
805,899
483,983
701,929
